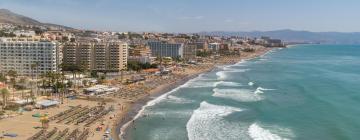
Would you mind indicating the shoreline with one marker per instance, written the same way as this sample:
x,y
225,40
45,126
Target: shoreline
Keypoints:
x,y
135,108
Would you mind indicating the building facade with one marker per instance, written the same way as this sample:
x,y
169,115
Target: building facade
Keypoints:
x,y
29,56
214,47
140,54
165,49
99,56
190,51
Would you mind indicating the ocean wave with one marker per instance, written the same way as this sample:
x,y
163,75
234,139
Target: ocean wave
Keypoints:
x,y
241,63
258,91
152,103
199,82
235,70
222,75
226,83
263,59
251,83
256,132
165,113
261,90
208,123
242,95
179,100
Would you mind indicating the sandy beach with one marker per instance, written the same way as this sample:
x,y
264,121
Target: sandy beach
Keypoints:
x,y
126,103
132,109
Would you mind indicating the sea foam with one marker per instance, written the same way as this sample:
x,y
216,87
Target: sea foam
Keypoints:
x,y
199,82
208,123
222,75
179,100
242,95
227,83
251,83
256,132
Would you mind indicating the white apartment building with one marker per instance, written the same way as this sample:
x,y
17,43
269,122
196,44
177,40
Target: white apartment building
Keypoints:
x,y
19,54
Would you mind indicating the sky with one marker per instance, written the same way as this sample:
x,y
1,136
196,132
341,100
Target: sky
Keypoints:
x,y
194,15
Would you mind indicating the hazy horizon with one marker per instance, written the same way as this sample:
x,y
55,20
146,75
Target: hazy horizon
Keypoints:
x,y
188,16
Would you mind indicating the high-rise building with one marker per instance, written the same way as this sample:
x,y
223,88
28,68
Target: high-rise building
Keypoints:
x,y
140,54
214,47
99,56
29,56
140,51
165,49
190,51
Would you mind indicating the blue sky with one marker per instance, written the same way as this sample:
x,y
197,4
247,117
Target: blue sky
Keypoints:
x,y
194,15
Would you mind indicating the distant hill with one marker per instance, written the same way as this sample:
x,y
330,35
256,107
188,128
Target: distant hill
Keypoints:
x,y
298,36
6,16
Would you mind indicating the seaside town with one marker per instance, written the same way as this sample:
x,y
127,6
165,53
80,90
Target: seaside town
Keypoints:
x,y
61,83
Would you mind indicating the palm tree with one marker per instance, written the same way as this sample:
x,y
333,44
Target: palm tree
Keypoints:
x,y
34,67
23,86
2,77
5,94
13,75
73,69
62,86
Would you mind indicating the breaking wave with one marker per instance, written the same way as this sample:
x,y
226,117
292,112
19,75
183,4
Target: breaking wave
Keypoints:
x,y
242,95
208,123
226,83
256,132
179,100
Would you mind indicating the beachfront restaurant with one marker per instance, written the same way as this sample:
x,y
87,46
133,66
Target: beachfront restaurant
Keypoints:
x,y
99,90
42,104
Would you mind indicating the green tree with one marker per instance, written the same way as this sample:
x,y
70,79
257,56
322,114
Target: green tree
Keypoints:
x,y
2,77
13,75
5,94
101,79
34,67
74,69
94,74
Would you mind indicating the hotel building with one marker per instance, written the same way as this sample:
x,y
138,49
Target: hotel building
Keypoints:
x,y
19,54
165,49
99,56
190,51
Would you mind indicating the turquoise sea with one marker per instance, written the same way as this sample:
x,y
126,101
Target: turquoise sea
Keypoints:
x,y
305,92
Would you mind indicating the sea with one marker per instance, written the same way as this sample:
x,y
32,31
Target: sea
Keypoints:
x,y
304,92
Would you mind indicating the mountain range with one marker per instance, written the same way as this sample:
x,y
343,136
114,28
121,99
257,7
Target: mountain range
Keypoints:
x,y
293,36
6,16
290,36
